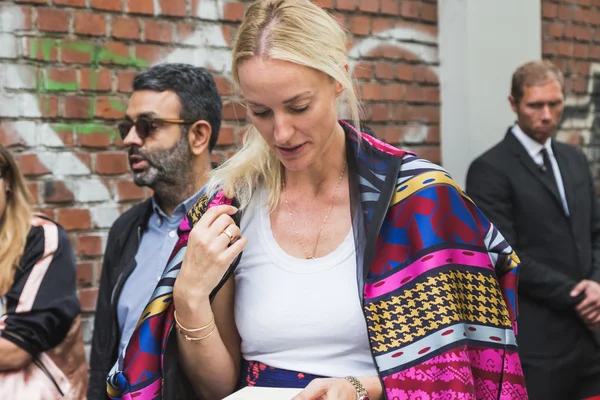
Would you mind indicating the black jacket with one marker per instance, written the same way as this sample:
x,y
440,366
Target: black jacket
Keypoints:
x,y
556,250
119,262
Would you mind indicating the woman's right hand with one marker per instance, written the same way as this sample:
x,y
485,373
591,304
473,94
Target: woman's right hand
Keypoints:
x,y
210,252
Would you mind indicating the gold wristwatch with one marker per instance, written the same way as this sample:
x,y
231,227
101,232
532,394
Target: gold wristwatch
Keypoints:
x,y
361,392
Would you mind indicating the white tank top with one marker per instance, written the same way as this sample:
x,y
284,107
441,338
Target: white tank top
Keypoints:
x,y
296,314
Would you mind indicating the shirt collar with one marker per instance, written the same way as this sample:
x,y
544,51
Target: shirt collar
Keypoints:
x,y
182,208
532,147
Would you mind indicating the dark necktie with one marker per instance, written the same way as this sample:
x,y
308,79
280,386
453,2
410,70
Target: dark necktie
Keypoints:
x,y
548,170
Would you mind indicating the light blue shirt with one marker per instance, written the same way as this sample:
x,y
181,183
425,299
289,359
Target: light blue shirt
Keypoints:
x,y
152,256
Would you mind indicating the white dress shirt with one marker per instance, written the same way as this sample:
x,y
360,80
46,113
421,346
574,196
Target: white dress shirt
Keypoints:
x,y
534,149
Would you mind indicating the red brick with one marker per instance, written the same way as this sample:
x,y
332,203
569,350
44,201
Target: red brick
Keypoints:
x,y
92,24
30,165
389,7
69,3
431,153
147,52
89,245
93,140
126,28
185,29
49,106
548,48
127,191
425,74
233,11
111,163
125,81
161,32
371,91
564,13
415,94
49,212
433,134
363,70
76,52
580,51
565,48
234,111
32,189
116,53
405,72
394,92
85,274
140,7
384,70
409,9
380,112
224,86
76,107
226,136
381,24
74,218
549,10
88,298
52,20
86,159
110,108
371,6
95,79
556,30
107,5
324,3
426,114
360,25
174,8
60,76
349,5
57,192
429,12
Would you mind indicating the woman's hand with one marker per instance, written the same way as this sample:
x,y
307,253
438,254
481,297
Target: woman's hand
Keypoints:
x,y
328,389
213,244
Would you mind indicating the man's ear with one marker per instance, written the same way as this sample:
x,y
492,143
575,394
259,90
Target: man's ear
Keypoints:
x,y
199,137
513,103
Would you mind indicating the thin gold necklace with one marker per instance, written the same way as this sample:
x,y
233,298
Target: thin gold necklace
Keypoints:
x,y
314,252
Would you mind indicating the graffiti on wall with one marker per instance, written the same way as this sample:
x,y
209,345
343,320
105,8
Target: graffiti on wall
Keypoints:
x,y
24,89
581,121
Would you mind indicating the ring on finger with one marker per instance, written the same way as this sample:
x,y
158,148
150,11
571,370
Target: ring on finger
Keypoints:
x,y
228,235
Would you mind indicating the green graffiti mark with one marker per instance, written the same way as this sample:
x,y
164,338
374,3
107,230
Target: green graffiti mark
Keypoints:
x,y
45,45
117,105
98,54
85,128
51,85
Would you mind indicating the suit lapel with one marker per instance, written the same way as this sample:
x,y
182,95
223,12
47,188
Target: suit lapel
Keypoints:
x,y
532,167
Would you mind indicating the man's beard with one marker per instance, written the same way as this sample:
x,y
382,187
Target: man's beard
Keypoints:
x,y
168,169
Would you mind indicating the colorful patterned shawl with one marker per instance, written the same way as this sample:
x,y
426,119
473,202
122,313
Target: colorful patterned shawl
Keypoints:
x,y
439,293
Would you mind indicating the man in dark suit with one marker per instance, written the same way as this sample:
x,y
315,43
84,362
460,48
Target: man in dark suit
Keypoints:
x,y
540,195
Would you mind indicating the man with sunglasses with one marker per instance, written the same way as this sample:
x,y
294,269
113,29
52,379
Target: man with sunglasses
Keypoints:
x,y
171,125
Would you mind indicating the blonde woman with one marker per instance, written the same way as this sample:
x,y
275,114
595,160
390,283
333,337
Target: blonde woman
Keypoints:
x,y
366,272
41,347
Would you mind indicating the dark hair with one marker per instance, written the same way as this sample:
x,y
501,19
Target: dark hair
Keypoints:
x,y
195,87
534,73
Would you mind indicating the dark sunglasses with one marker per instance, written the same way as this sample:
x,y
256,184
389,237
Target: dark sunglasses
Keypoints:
x,y
145,126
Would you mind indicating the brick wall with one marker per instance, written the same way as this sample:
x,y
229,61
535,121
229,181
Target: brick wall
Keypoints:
x,y
66,68
571,39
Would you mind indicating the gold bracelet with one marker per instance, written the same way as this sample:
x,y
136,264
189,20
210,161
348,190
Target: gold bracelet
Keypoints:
x,y
182,328
195,339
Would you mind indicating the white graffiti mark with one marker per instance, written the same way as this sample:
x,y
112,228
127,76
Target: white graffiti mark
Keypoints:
x,y
206,47
580,111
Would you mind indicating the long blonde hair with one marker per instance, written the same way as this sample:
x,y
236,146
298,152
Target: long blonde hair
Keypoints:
x,y
300,32
15,222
